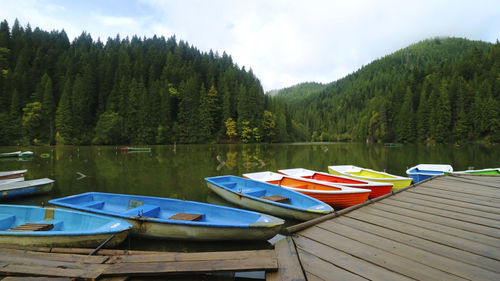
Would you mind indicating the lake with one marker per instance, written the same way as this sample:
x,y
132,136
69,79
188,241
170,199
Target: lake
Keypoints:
x,y
179,171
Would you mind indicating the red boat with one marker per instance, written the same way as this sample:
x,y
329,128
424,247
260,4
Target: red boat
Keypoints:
x,y
377,188
336,195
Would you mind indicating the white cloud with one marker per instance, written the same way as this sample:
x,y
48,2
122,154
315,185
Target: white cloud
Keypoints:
x,y
285,42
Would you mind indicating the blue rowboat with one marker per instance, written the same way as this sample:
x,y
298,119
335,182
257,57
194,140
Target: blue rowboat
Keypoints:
x,y
267,198
25,188
35,226
424,171
168,218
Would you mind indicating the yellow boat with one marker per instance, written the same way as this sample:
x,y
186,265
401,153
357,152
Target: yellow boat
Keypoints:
x,y
370,175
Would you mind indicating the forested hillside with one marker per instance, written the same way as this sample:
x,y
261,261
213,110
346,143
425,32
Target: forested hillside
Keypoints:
x,y
439,90
126,91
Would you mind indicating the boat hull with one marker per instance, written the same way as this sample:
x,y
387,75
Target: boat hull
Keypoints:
x,y
87,241
339,201
396,181
148,229
259,205
25,188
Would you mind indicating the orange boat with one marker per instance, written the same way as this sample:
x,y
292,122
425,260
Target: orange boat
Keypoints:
x,y
336,195
377,188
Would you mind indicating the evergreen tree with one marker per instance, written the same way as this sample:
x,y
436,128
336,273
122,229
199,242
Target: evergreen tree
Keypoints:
x,y
64,116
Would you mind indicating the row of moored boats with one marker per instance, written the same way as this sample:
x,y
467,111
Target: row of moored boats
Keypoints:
x,y
89,219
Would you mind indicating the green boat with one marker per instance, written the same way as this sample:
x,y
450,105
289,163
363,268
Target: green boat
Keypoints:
x,y
489,171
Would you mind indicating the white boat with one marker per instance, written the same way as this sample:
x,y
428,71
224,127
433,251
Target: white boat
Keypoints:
x,y
25,188
12,176
424,171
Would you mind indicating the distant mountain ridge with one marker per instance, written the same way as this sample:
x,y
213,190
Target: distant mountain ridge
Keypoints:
x,y
431,91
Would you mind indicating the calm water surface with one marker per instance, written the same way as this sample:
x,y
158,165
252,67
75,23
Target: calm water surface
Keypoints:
x,y
179,172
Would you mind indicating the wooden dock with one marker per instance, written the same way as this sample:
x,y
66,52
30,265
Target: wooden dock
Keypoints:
x,y
446,228
117,265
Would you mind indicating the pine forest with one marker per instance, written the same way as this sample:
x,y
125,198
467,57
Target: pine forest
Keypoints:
x,y
163,90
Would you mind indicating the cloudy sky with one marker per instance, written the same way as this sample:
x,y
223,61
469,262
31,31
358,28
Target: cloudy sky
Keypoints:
x,y
284,42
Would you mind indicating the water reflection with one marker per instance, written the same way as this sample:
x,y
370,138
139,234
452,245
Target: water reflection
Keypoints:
x,y
179,171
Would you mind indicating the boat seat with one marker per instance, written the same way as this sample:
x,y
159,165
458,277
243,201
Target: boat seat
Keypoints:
x,y
94,204
231,185
299,186
276,198
6,220
256,192
144,211
32,227
186,217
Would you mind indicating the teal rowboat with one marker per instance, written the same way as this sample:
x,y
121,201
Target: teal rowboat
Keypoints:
x,y
267,198
167,218
49,227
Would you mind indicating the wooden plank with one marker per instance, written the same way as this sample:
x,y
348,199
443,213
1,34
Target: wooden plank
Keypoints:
x,y
289,267
32,227
312,277
441,224
266,261
186,217
377,256
488,181
468,189
27,278
17,259
438,205
202,256
429,231
455,196
53,256
421,243
322,270
451,222
276,198
450,202
40,270
342,260
104,252
451,266
439,210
